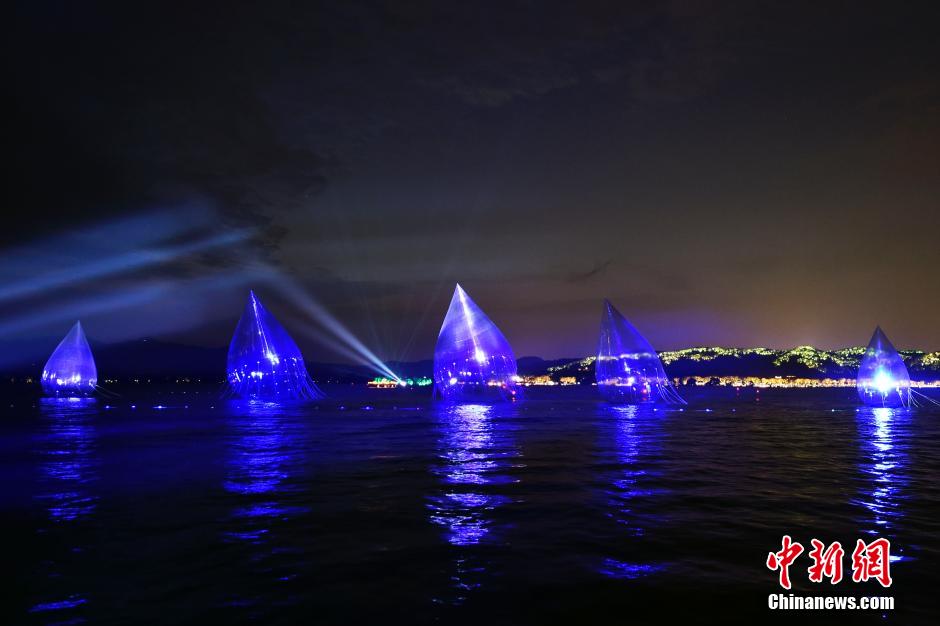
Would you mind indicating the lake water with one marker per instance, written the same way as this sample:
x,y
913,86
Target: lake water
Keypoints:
x,y
385,507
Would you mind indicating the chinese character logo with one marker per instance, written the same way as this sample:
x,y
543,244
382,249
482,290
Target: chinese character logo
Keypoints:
x,y
827,562
869,561
782,560
872,560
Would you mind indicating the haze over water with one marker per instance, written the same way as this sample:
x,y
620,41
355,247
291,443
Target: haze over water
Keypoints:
x,y
385,506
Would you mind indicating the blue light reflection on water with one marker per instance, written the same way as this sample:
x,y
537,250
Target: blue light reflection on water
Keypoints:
x,y
631,438
476,450
884,468
431,509
68,473
70,603
266,448
264,454
68,468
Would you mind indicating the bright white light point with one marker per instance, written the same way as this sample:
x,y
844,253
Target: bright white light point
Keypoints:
x,y
272,357
453,380
883,382
480,356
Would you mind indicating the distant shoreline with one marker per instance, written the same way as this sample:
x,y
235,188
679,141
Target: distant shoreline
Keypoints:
x,y
157,362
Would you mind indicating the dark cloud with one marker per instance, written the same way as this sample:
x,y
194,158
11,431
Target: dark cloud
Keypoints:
x,y
598,269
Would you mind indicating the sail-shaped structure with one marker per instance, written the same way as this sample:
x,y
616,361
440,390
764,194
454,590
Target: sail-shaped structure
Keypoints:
x,y
472,360
628,370
883,379
71,371
264,363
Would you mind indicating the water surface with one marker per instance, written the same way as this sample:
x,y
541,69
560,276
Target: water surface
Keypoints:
x,y
380,507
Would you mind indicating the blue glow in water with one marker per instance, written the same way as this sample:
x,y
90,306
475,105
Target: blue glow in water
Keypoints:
x,y
884,434
474,455
473,361
262,454
635,437
264,458
627,571
607,499
476,452
67,490
631,435
69,603
69,463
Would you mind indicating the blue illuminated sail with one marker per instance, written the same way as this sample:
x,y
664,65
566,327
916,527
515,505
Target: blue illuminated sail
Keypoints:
x,y
883,380
472,359
70,371
628,370
264,363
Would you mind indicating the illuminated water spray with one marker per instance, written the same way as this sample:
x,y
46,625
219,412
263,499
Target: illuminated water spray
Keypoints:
x,y
264,363
70,371
883,380
472,358
628,370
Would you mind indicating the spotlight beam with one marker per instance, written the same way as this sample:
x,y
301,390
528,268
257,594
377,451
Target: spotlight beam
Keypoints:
x,y
84,308
118,264
348,342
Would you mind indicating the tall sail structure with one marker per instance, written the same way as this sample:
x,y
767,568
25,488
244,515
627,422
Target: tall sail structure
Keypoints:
x,y
473,360
264,363
628,370
70,371
883,379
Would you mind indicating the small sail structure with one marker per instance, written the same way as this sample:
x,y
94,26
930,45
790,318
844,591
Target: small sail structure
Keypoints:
x,y
628,370
70,371
472,360
883,379
264,363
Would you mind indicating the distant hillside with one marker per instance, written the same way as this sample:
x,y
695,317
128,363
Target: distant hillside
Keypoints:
x,y
801,362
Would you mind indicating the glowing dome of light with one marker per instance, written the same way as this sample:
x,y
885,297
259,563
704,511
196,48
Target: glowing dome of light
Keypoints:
x,y
628,370
472,359
264,363
883,379
70,371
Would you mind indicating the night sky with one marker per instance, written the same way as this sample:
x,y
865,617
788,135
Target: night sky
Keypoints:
x,y
726,173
